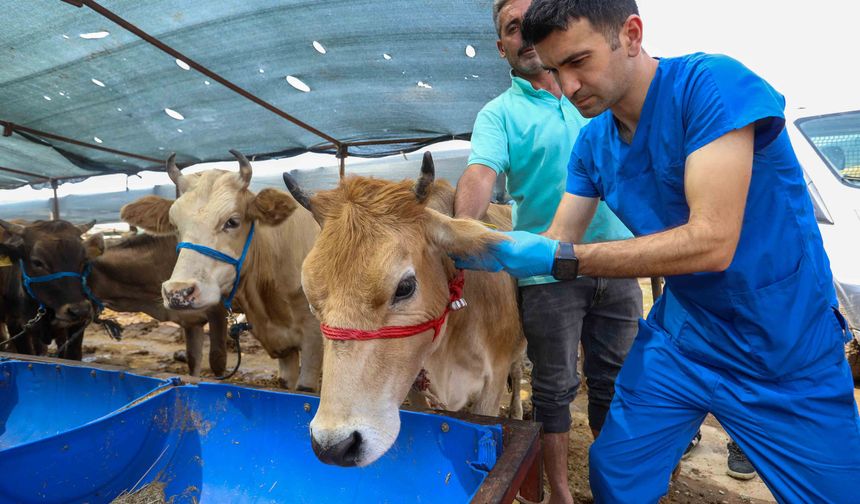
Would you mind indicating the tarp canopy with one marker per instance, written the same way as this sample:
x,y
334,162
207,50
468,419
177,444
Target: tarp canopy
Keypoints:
x,y
361,70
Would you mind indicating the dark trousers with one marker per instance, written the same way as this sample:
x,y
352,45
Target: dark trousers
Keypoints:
x,y
603,315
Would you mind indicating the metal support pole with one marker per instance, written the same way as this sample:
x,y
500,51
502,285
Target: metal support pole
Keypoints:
x,y
55,203
95,6
342,153
8,126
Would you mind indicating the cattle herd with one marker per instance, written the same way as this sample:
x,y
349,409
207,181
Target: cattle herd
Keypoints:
x,y
365,262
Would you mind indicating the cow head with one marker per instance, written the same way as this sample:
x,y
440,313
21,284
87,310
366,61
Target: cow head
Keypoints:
x,y
381,259
47,247
215,209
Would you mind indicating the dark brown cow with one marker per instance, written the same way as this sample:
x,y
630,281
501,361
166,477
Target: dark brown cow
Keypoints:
x,y
44,248
128,278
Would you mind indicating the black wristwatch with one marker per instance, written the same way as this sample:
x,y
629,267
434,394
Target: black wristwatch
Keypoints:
x,y
566,265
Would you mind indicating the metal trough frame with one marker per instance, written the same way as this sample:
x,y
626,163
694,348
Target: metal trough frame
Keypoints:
x,y
518,470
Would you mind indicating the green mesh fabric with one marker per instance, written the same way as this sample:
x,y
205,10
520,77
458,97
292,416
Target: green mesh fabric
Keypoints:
x,y
394,69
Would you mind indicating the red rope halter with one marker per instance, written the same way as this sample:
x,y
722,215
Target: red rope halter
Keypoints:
x,y
455,302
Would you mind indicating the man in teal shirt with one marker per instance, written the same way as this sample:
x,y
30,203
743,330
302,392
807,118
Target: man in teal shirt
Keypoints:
x,y
528,133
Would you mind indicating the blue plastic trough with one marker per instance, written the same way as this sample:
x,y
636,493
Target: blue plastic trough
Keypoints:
x,y
76,434
41,400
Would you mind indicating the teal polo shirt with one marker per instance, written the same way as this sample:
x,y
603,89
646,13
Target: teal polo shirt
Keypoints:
x,y
528,134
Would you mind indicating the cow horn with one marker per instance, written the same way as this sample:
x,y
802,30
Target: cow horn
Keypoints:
x,y
83,228
425,180
176,175
298,193
11,227
173,170
244,166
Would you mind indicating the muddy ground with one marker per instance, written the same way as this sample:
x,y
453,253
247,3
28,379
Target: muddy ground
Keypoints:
x,y
154,346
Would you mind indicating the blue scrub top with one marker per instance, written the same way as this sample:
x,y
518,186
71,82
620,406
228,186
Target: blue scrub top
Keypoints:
x,y
772,314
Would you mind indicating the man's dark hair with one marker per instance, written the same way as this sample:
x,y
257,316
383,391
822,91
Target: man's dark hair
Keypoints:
x,y
607,16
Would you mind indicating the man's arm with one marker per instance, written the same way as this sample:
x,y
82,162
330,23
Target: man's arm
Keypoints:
x,y
572,218
716,182
474,190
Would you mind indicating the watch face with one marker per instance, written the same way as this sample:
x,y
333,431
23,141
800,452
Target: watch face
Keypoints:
x,y
565,269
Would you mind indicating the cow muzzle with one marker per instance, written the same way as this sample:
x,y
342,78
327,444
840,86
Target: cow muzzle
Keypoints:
x,y
74,313
180,295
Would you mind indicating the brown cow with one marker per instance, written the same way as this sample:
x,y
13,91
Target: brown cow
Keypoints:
x,y
44,248
128,278
381,260
215,209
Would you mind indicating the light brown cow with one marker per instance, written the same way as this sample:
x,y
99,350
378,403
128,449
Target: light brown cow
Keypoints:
x,y
215,209
381,260
127,277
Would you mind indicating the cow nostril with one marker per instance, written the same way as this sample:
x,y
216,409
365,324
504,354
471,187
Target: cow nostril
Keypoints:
x,y
180,297
353,449
345,453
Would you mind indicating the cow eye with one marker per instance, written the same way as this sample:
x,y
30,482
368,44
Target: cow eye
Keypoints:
x,y
405,289
232,223
37,264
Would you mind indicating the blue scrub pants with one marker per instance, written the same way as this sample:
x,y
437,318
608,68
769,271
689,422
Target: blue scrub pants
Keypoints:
x,y
802,435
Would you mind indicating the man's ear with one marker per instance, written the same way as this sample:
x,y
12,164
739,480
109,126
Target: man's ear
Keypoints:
x,y
94,245
151,213
461,237
631,35
11,240
271,207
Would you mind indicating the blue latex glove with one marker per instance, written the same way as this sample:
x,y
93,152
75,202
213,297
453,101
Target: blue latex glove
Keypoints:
x,y
524,255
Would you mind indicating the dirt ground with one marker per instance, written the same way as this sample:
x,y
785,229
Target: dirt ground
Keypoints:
x,y
154,346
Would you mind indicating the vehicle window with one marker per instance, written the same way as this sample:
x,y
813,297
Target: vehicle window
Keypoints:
x,y
836,137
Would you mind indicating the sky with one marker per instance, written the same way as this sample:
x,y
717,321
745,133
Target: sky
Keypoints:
x,y
806,50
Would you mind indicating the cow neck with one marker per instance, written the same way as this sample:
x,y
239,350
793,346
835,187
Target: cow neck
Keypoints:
x,y
138,260
261,294
127,279
250,272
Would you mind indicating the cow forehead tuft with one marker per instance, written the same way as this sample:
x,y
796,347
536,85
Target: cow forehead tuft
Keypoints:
x,y
53,247
49,229
215,192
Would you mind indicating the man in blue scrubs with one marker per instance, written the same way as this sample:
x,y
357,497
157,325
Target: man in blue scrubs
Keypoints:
x,y
527,133
692,155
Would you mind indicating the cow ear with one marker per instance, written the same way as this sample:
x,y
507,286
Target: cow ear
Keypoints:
x,y
151,213
462,237
94,245
11,240
271,207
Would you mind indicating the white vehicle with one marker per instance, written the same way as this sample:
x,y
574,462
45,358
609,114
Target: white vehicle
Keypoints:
x,y
827,144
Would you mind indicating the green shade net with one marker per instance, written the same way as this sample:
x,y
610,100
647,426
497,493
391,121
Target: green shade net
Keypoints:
x,y
391,70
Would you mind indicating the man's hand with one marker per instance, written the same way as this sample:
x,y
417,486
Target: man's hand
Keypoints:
x,y
522,255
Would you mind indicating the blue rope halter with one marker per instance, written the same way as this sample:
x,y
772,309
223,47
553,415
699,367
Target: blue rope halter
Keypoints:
x,y
28,280
220,256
